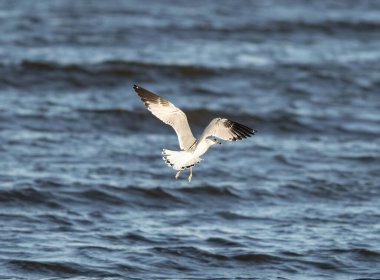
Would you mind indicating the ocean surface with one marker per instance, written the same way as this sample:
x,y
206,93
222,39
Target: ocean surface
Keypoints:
x,y
84,192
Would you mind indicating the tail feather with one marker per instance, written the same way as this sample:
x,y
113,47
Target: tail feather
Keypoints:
x,y
179,160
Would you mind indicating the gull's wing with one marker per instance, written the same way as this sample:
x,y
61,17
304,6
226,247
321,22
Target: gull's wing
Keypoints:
x,y
227,130
169,114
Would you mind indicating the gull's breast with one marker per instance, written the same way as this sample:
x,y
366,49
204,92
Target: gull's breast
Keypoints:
x,y
201,149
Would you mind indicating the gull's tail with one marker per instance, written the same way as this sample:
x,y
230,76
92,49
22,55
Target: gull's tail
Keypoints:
x,y
179,160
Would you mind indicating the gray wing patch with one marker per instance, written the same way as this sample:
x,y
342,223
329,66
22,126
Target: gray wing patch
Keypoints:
x,y
227,130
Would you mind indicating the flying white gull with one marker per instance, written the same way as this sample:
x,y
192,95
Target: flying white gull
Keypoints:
x,y
191,149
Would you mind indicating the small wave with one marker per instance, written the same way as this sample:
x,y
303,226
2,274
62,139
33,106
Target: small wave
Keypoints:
x,y
329,26
284,121
106,111
360,253
30,73
94,71
110,195
280,26
101,196
136,237
211,191
17,217
189,252
113,67
173,265
367,253
291,254
49,182
49,66
199,254
55,219
334,26
156,196
313,188
232,216
155,193
283,159
40,266
28,195
257,258
102,249
324,265
223,242
361,158
58,268
169,68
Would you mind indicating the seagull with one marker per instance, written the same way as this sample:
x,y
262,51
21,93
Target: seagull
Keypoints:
x,y
191,149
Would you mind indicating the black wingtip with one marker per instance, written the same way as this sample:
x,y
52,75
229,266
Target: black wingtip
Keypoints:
x,y
135,87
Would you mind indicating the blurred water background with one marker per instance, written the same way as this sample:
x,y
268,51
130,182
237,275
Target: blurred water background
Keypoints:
x,y
84,191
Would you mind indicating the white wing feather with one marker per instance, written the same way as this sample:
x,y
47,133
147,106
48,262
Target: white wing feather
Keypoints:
x,y
169,114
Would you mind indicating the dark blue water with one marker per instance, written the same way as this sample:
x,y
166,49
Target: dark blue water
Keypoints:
x,y
84,192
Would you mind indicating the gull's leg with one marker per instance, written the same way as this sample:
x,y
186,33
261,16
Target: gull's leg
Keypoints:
x,y
191,174
177,175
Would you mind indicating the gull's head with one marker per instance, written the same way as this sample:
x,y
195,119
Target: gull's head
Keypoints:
x,y
212,141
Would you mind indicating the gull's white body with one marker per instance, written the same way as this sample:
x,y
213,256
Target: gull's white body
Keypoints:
x,y
191,148
180,160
